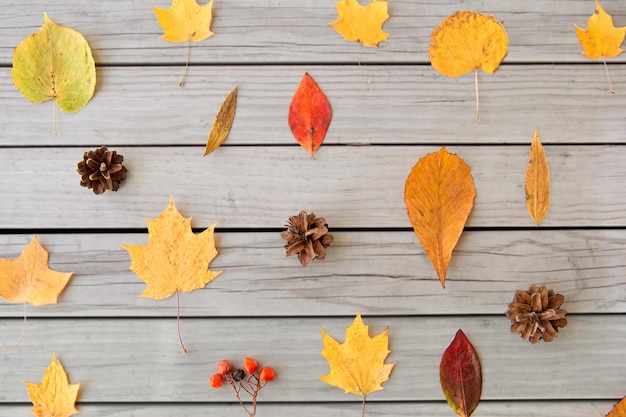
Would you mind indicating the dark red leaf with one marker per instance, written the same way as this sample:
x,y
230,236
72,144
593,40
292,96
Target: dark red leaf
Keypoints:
x,y
460,375
309,114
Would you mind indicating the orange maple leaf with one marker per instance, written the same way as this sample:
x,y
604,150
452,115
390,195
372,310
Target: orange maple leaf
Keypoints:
x,y
54,396
174,259
601,39
439,196
467,41
361,23
28,279
619,409
357,365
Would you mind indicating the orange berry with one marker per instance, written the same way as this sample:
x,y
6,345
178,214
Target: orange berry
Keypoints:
x,y
224,367
250,365
216,381
267,374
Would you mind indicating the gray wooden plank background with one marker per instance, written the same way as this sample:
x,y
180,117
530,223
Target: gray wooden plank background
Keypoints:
x,y
123,348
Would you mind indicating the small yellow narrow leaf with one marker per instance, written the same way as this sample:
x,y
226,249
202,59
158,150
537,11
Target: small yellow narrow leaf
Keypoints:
x,y
223,122
54,396
537,183
357,365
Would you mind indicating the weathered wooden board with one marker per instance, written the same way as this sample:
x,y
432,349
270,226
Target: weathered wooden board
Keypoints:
x,y
254,187
373,408
376,273
139,360
404,104
272,31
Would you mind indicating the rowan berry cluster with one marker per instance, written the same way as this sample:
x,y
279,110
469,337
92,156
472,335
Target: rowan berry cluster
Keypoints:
x,y
250,379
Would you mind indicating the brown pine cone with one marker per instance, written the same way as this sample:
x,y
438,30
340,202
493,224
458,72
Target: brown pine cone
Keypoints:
x,y
307,236
536,315
101,170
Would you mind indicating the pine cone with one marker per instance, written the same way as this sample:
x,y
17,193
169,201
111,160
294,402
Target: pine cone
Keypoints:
x,y
307,236
101,170
535,314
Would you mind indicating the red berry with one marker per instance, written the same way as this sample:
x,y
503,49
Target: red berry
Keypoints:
x,y
216,381
224,367
267,374
250,365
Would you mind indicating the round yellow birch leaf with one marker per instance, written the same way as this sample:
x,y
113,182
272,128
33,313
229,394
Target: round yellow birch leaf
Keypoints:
x,y
55,63
466,41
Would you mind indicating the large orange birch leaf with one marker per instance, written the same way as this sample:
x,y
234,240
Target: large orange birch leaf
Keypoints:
x,y
361,23
439,196
185,21
601,39
54,396
28,279
619,409
467,41
537,183
358,365
174,259
309,114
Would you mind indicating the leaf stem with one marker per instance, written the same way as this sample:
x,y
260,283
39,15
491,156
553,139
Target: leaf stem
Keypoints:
x,y
14,345
363,406
477,96
606,69
54,117
180,339
182,81
358,57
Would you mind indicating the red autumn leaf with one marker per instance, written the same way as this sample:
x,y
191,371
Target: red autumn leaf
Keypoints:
x,y
309,114
460,375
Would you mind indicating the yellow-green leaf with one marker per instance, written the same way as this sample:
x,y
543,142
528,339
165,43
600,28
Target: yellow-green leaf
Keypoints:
x,y
223,122
55,63
537,183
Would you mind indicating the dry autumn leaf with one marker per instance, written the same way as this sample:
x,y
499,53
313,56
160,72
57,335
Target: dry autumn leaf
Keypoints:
x,y
357,365
55,63
309,114
362,24
174,259
223,122
439,196
185,21
537,183
601,39
460,375
54,396
619,409
467,41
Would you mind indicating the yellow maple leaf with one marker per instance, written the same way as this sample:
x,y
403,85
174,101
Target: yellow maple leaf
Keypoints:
x,y
361,23
357,365
174,259
467,41
619,409
28,279
601,39
54,396
185,20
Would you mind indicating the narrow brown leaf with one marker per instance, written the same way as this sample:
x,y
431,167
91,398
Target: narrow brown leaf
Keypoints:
x,y
223,122
537,181
439,196
460,375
